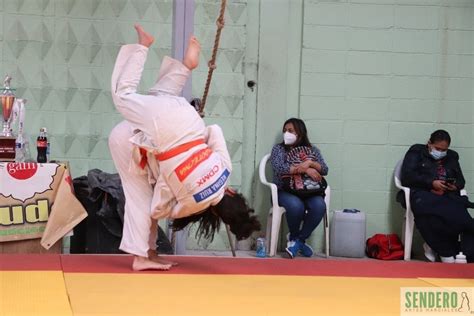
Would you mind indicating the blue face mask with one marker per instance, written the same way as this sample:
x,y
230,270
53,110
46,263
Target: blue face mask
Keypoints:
x,y
437,154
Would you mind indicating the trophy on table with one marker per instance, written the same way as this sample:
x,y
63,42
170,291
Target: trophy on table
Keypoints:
x,y
7,140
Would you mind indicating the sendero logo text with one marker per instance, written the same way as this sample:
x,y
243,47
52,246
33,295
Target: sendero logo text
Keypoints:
x,y
436,301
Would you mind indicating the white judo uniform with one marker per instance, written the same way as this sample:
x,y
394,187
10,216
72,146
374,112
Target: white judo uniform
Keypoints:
x,y
187,164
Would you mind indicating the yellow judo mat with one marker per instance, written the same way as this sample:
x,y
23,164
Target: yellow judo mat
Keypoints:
x,y
33,293
52,293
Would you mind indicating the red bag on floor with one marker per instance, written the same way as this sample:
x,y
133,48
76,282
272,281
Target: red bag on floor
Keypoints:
x,y
384,247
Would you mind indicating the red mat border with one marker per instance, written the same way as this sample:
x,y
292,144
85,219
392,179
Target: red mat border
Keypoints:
x,y
247,266
254,266
30,262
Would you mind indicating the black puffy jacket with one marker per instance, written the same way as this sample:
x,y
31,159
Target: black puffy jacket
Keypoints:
x,y
419,169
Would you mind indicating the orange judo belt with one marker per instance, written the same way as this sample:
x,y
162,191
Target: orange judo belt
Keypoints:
x,y
170,153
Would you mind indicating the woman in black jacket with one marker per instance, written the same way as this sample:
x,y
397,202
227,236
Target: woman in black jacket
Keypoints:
x,y
434,175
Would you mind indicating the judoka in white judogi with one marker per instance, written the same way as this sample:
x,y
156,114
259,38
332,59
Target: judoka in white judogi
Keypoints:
x,y
188,165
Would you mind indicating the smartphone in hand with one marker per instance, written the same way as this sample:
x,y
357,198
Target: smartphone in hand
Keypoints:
x,y
450,180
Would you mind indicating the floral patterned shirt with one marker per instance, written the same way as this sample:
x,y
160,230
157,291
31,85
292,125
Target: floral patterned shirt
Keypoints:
x,y
281,166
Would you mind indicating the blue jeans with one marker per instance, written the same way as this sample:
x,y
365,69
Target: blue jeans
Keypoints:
x,y
309,211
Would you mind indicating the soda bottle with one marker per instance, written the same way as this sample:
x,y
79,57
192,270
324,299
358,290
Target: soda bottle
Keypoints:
x,y
20,149
48,151
42,146
48,147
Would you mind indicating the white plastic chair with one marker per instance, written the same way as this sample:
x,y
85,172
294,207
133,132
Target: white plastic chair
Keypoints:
x,y
276,211
409,217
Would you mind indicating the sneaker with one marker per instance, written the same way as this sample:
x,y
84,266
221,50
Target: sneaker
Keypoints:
x,y
306,250
293,250
429,253
290,243
447,259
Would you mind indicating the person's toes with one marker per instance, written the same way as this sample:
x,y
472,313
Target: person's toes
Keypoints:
x,y
139,28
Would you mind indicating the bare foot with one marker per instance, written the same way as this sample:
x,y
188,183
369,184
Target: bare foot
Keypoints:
x,y
191,58
144,38
142,263
153,256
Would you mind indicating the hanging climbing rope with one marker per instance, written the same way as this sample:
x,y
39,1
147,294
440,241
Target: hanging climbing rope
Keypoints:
x,y
212,62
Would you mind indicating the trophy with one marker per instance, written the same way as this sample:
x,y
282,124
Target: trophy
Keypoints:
x,y
8,98
7,141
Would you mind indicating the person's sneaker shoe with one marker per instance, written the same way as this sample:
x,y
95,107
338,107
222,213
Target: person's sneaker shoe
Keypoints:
x,y
447,259
429,253
293,250
306,250
290,243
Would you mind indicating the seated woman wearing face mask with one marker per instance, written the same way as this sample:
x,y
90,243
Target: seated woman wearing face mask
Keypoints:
x,y
302,214
434,175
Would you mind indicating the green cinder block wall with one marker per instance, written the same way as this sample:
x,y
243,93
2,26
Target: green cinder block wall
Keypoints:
x,y
372,78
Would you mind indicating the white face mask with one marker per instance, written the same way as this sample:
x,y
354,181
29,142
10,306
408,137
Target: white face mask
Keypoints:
x,y
289,138
437,154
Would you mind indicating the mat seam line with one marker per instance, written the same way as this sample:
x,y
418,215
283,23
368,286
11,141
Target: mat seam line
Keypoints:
x,y
65,284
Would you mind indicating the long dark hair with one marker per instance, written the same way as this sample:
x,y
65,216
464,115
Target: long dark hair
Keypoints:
x,y
232,210
300,129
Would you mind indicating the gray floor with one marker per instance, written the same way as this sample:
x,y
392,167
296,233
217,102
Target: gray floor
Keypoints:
x,y
251,254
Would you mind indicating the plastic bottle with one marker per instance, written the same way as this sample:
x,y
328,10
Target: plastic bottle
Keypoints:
x,y
261,249
42,146
26,147
48,151
460,258
20,152
19,149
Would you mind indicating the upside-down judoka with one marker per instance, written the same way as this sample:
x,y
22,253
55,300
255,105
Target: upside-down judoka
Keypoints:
x,y
170,163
